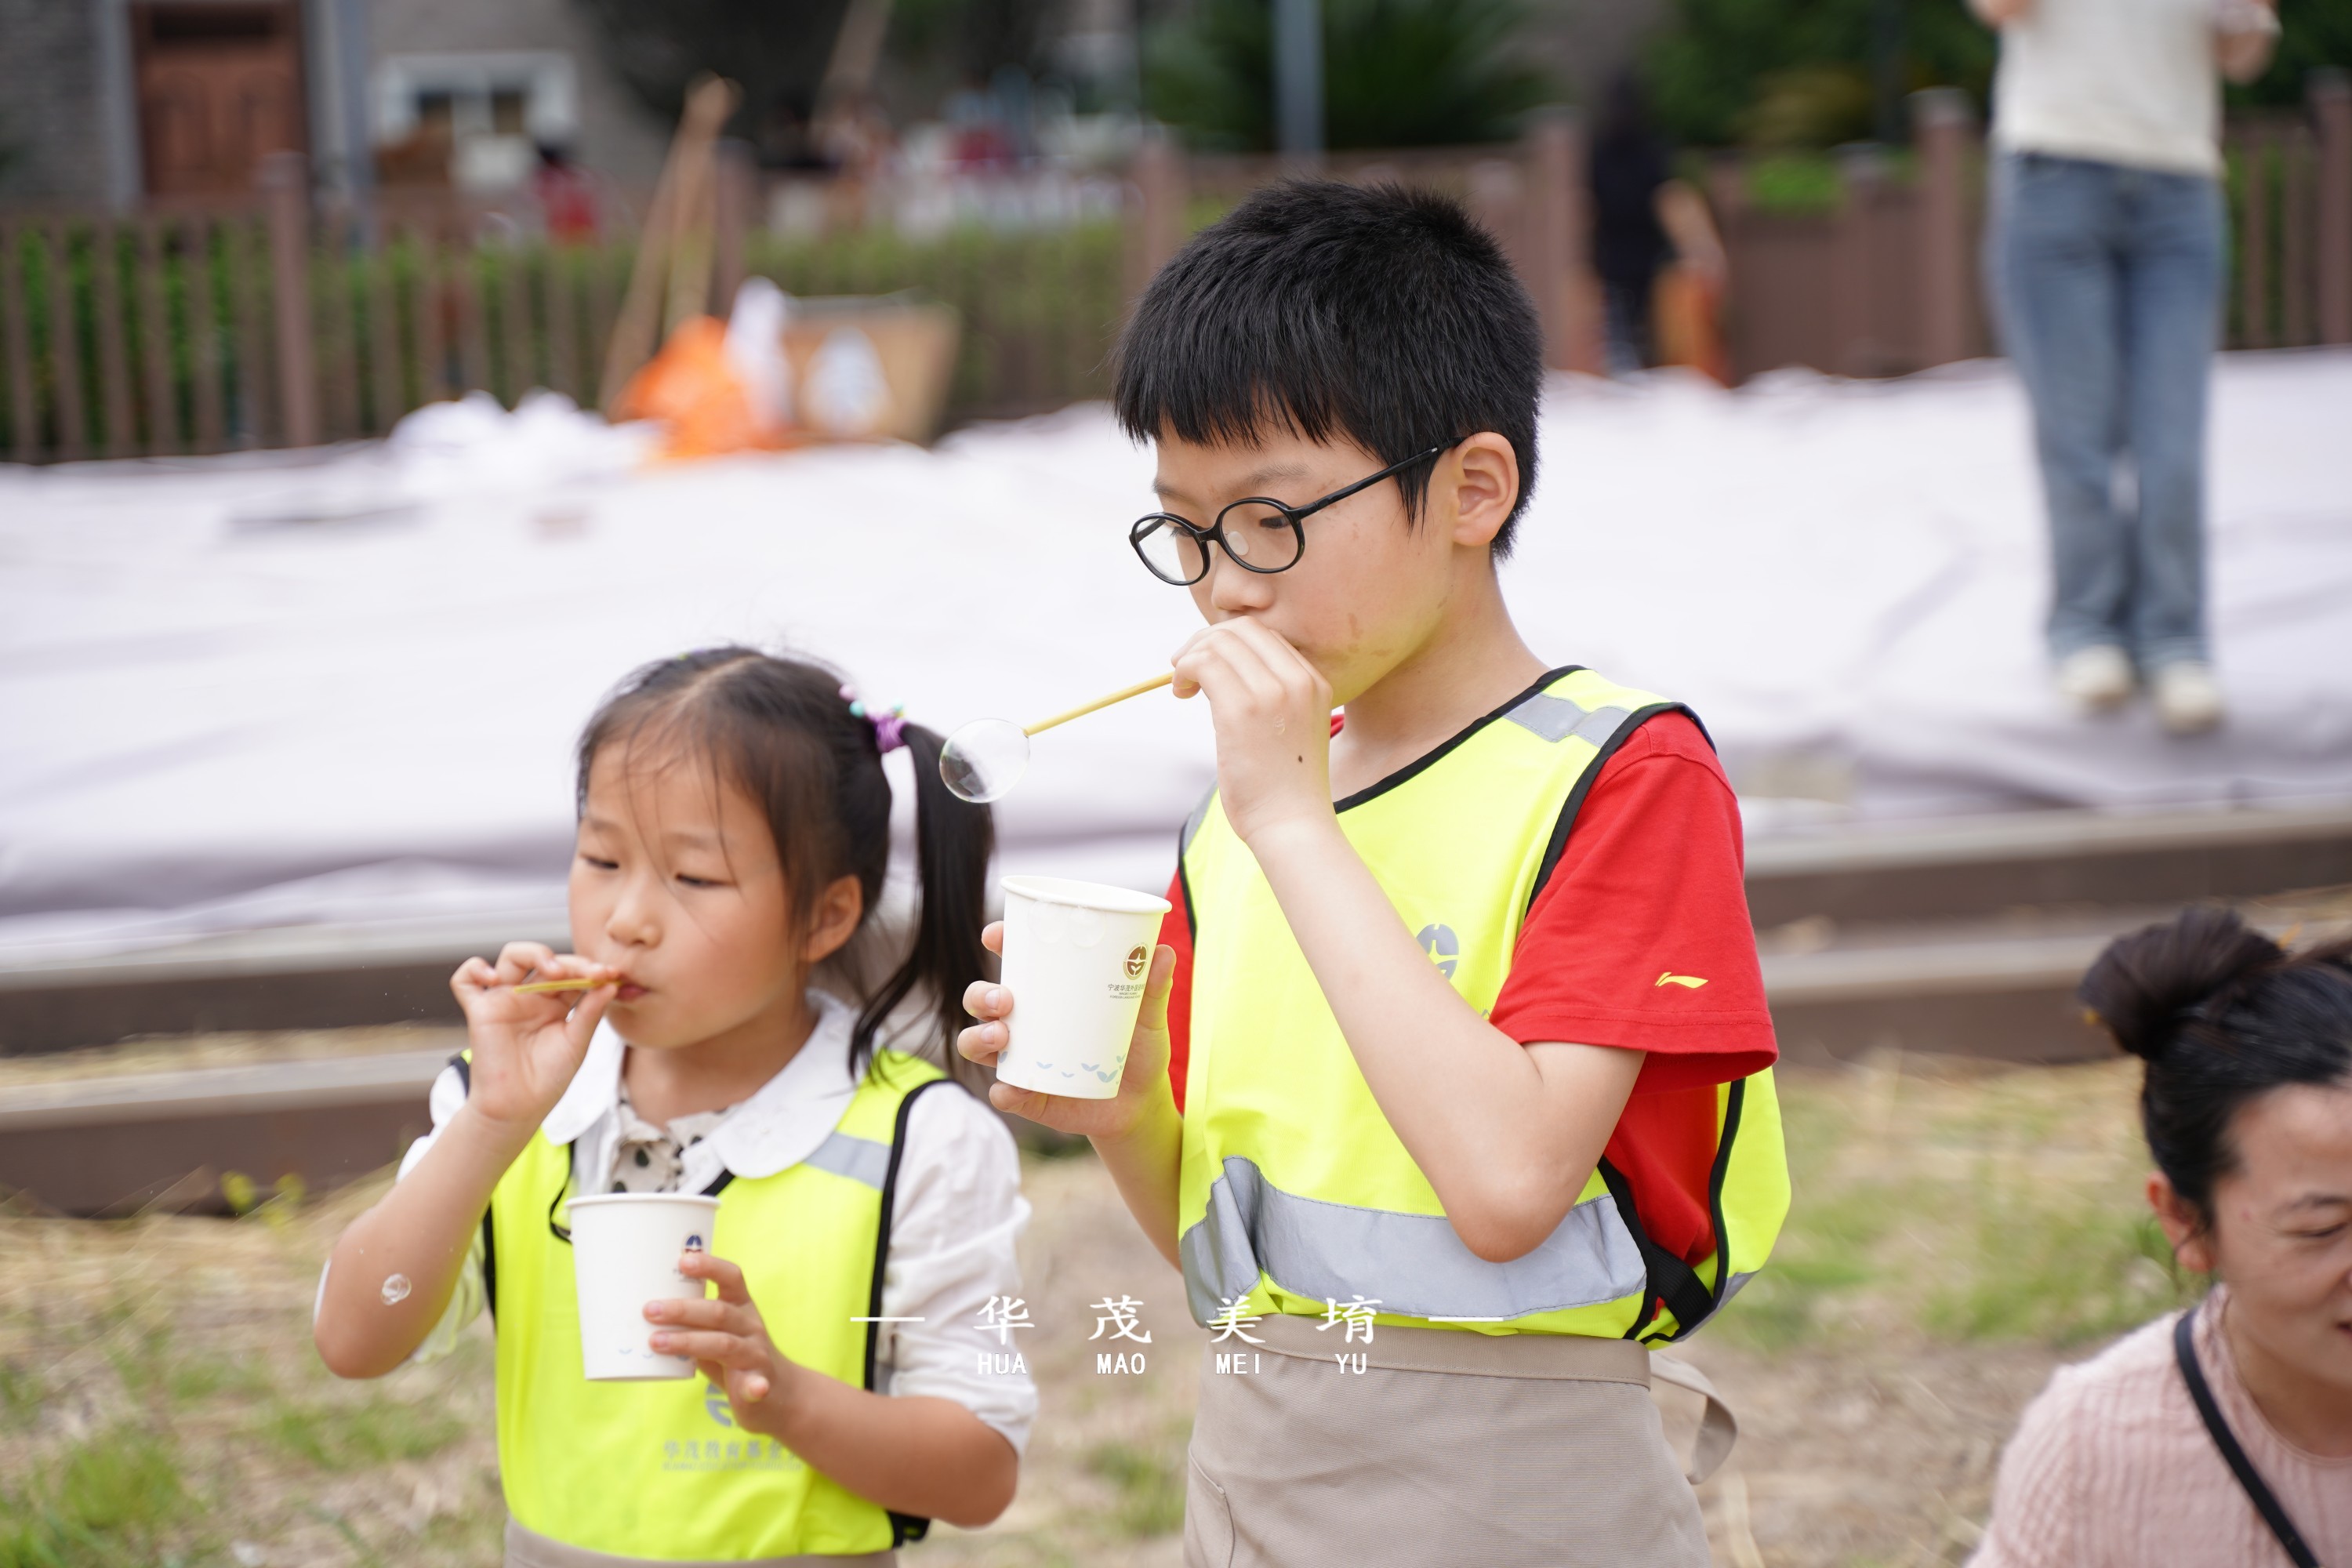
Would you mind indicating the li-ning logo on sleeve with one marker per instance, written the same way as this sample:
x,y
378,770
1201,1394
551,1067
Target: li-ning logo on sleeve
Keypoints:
x,y
1444,948
1691,982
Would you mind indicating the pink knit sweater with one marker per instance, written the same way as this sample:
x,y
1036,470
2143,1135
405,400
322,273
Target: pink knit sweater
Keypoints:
x,y
2111,1469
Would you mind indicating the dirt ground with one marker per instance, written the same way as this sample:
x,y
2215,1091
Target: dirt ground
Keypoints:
x,y
1957,1232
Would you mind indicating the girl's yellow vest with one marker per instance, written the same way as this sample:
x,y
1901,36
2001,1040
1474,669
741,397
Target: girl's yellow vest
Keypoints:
x,y
658,1469
1296,1195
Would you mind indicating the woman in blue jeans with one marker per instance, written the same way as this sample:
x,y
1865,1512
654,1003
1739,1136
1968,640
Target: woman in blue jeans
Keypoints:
x,y
2106,257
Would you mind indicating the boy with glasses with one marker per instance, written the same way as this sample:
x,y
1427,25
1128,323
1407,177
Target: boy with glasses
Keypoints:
x,y
1467,1096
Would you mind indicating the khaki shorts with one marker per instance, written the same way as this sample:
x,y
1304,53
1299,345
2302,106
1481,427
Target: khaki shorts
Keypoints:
x,y
1449,1448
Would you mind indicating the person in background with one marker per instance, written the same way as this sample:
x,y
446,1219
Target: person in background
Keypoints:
x,y
2106,256
2222,1436
567,197
1642,219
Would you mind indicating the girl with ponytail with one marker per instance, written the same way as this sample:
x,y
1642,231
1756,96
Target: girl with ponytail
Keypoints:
x,y
2221,1436
734,834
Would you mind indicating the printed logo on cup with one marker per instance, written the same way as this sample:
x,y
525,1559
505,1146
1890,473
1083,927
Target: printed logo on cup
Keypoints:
x,y
1138,960
694,1243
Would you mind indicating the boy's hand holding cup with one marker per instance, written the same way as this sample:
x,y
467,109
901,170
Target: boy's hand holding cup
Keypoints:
x,y
1077,1028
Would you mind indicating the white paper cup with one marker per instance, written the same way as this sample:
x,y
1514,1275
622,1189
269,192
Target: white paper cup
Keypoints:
x,y
1077,956
625,1253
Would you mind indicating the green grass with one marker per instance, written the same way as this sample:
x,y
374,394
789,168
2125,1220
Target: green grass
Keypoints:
x,y
1980,1209
1151,1487
361,1433
22,1389
114,1499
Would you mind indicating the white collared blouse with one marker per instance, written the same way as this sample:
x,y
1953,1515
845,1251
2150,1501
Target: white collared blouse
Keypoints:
x,y
958,1213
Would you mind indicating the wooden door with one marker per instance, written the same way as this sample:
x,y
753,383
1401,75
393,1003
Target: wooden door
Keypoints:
x,y
220,86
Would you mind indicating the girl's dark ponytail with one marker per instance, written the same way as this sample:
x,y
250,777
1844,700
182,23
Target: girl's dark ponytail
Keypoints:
x,y
955,840
2222,1015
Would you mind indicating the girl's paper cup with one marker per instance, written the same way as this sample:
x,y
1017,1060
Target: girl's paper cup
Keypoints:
x,y
624,1252
1077,955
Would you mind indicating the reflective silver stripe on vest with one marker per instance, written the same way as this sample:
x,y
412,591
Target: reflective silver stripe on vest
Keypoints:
x,y
859,1159
1414,1265
1556,719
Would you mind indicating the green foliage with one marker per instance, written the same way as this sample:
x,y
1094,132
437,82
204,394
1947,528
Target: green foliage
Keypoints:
x,y
1959,1212
1396,73
1150,1485
1794,183
1797,72
350,1436
2313,35
109,1500
2060,1276
22,1390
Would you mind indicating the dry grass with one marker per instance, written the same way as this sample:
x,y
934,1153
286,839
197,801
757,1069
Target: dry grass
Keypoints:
x,y
1958,1232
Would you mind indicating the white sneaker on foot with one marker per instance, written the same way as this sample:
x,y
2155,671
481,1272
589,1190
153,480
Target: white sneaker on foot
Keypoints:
x,y
2187,697
2095,678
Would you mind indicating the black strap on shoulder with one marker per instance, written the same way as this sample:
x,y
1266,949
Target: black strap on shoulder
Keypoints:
x,y
1735,1099
2266,1503
1671,1282
904,1527
1557,846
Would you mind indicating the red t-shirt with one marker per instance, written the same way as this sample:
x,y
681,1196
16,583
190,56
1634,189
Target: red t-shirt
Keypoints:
x,y
1648,896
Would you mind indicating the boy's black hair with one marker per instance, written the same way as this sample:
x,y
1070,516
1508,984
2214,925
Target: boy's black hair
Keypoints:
x,y
1377,314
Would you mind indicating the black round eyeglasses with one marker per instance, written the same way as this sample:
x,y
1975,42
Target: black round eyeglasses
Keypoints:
x,y
1258,533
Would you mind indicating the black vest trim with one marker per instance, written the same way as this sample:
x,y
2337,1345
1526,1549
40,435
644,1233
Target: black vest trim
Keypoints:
x,y
904,1527
1430,759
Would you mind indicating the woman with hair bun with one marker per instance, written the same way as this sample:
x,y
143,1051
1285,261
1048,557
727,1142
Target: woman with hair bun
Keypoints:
x,y
2223,1435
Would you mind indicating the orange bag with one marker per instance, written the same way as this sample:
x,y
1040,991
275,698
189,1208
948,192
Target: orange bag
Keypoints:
x,y
691,388
1687,314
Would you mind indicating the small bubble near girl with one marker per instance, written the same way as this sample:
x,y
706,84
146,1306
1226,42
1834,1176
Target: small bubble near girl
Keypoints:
x,y
733,836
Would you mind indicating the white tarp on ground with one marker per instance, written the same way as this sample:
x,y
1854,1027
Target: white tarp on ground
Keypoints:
x,y
257,691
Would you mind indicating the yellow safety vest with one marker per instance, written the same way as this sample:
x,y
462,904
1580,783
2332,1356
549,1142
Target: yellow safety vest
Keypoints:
x,y
658,1469
1294,1193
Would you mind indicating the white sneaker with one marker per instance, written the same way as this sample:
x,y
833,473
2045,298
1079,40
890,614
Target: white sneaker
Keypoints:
x,y
2187,697
2096,678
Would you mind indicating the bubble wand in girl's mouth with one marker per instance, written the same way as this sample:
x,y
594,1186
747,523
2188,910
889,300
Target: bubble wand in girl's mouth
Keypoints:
x,y
540,985
982,761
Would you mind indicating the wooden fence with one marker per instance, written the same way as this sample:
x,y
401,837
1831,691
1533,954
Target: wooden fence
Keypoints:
x,y
261,324
1887,281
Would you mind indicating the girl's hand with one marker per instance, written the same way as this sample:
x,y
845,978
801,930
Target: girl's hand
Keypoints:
x,y
1145,1077
1271,713
728,1341
527,1047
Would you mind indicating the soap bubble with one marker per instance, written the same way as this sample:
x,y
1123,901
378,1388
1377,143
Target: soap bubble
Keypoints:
x,y
982,761
395,1290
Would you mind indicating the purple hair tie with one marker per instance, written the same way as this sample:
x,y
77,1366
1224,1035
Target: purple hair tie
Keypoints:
x,y
889,728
